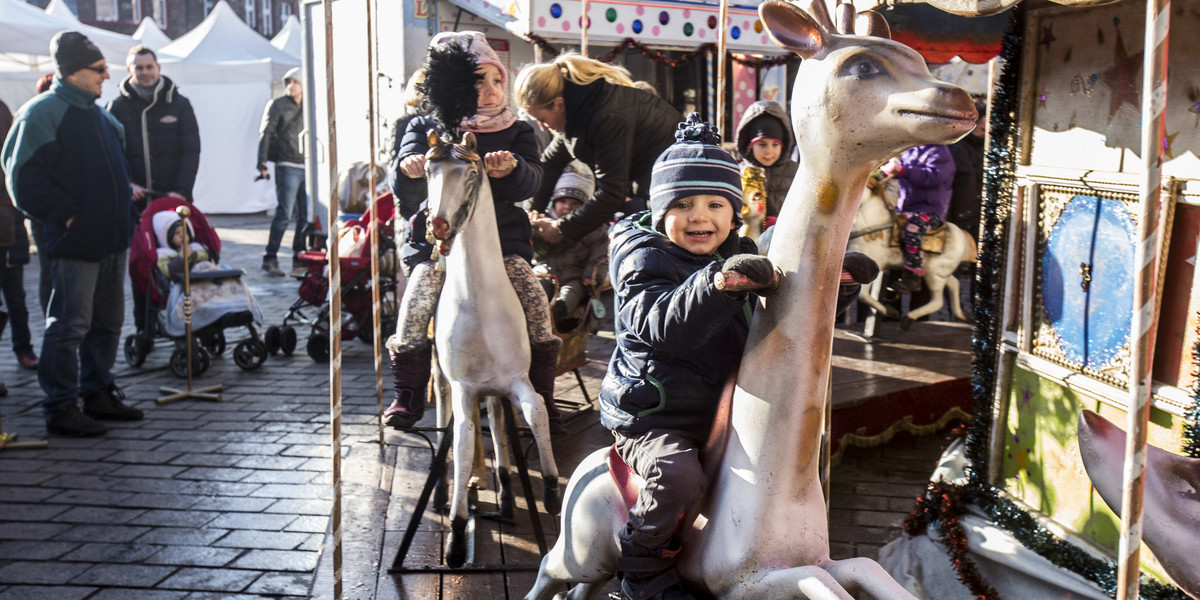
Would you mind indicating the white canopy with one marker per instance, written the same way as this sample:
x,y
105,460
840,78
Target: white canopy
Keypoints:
x,y
115,46
26,30
149,34
288,38
227,70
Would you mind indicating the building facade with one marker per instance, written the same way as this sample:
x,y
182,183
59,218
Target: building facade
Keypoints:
x,y
177,17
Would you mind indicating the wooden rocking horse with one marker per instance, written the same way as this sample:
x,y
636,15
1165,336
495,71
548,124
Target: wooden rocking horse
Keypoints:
x,y
948,246
480,333
761,529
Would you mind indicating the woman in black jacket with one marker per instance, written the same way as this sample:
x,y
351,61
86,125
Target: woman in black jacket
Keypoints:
x,y
601,119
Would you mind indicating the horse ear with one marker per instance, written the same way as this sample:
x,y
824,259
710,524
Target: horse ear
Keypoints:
x,y
433,138
469,141
793,29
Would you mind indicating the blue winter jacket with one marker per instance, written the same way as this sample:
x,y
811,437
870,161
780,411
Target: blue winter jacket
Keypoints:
x,y
927,182
678,338
64,159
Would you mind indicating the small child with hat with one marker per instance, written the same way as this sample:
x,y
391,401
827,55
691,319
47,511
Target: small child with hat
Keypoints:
x,y
764,139
578,266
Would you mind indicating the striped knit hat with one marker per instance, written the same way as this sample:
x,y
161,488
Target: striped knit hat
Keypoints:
x,y
695,164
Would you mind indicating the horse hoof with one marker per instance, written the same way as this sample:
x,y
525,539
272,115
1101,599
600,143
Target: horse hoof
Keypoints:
x,y
905,323
892,313
456,552
551,500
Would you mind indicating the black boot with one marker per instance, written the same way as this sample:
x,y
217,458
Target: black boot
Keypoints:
x,y
543,365
410,372
649,574
907,281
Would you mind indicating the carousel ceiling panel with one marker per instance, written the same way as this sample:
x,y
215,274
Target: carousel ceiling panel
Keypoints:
x,y
940,36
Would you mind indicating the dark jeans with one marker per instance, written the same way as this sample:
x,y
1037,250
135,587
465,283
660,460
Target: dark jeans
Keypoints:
x,y
83,329
292,203
669,461
13,286
43,266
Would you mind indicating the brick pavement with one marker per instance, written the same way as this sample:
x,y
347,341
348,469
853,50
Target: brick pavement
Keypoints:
x,y
231,500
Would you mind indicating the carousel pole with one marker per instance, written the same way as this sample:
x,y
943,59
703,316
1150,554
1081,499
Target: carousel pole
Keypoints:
x,y
723,32
174,394
335,313
1154,102
373,229
583,28
710,93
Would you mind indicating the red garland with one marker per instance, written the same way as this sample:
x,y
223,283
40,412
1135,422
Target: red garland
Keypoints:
x,y
940,508
659,57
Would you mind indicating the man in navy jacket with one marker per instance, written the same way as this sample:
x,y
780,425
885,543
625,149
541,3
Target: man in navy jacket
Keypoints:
x,y
65,166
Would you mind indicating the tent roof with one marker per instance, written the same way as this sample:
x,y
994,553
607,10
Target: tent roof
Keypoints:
x,y
115,46
288,38
148,33
222,37
25,29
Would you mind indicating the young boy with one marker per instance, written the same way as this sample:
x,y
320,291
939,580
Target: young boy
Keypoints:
x,y
678,338
764,139
577,265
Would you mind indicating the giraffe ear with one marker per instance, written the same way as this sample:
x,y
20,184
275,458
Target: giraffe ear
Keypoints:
x,y
793,29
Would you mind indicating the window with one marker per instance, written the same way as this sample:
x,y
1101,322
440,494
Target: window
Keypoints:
x,y
106,10
285,11
251,18
208,6
268,21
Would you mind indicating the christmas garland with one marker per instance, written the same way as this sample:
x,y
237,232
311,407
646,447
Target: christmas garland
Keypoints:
x,y
664,58
1191,425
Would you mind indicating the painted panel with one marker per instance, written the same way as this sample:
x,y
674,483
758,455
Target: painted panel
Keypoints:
x,y
1180,311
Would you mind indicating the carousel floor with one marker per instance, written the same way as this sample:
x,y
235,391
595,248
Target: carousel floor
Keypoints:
x,y
873,485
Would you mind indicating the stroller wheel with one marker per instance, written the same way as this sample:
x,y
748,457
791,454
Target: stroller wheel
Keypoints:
x,y
272,338
318,346
135,350
250,354
214,343
201,360
287,340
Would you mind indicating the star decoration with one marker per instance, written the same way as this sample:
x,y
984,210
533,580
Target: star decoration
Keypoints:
x,y
1122,78
1047,36
1195,108
1041,98
1166,143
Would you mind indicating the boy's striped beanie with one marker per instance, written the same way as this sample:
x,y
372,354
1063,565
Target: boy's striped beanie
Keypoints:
x,y
695,164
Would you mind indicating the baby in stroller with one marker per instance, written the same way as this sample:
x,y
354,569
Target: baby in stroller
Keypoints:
x,y
219,298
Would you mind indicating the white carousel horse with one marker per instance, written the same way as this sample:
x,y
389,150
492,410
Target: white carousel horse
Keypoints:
x,y
872,235
480,333
762,529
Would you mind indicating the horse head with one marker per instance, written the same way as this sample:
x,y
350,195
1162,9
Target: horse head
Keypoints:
x,y
455,174
860,97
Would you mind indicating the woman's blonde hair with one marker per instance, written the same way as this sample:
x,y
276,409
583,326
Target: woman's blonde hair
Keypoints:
x,y
538,85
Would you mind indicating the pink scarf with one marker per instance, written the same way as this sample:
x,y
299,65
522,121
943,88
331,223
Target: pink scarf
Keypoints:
x,y
489,120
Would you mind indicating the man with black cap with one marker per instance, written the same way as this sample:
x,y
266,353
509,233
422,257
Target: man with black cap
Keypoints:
x,y
65,168
279,141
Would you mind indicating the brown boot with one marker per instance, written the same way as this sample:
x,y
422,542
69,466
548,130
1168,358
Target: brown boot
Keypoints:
x,y
410,372
543,365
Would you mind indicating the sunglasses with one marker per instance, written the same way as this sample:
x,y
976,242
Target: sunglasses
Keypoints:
x,y
99,70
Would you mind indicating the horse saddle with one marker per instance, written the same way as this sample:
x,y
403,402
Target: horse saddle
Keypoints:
x,y
932,241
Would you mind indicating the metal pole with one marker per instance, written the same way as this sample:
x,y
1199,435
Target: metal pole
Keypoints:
x,y
583,28
710,93
1154,101
335,312
723,31
373,228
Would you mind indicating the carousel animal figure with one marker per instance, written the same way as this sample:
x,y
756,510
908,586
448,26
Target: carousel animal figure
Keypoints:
x,y
857,100
754,201
479,331
873,232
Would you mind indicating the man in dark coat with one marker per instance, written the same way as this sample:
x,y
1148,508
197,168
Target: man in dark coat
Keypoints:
x,y
279,141
64,162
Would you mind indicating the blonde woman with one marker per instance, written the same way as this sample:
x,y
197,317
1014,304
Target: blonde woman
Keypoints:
x,y
600,118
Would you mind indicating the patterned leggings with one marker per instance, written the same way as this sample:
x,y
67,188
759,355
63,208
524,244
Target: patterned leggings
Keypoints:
x,y
910,238
425,286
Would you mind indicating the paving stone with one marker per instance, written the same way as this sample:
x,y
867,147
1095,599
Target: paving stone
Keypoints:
x,y
91,497
36,592
123,575
301,507
309,524
280,463
153,485
190,447
273,540
31,531
175,518
194,556
34,550
310,451
263,522
181,536
214,474
96,514
287,477
136,594
23,571
111,553
101,533
283,584
228,596
206,460
14,511
282,490
27,478
174,501
277,560
254,505
151,470
224,580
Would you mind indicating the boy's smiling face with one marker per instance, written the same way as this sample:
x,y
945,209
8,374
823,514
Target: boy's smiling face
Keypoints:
x,y
699,224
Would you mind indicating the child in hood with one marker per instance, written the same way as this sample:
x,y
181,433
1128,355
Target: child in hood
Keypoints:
x,y
764,139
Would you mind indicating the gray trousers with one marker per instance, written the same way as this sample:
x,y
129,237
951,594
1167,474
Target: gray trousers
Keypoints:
x,y
669,461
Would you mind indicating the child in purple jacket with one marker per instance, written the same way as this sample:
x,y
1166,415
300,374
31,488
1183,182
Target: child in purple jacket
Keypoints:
x,y
926,178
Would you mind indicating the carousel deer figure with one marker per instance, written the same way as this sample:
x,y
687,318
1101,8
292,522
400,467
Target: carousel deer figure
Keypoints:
x,y
480,334
872,234
761,529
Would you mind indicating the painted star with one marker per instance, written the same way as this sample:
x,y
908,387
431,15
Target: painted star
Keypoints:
x,y
1047,36
1195,108
1167,141
1122,78
1042,96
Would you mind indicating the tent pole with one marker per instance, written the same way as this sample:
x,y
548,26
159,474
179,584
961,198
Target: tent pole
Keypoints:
x,y
373,227
1154,102
583,28
722,30
335,312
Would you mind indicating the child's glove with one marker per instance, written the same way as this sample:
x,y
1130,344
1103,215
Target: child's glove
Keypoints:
x,y
861,270
747,273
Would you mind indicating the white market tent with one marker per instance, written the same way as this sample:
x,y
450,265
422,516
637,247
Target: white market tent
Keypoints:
x,y
149,35
227,70
115,46
289,37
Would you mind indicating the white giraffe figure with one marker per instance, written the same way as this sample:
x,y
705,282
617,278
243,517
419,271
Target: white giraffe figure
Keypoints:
x,y
762,530
482,341
872,235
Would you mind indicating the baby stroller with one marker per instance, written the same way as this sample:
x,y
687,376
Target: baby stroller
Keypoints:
x,y
354,254
220,300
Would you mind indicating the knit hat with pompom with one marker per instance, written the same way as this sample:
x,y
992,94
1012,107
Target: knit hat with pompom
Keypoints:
x,y
695,164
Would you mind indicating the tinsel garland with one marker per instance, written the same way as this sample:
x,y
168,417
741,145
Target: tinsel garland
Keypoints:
x,y
1191,425
660,57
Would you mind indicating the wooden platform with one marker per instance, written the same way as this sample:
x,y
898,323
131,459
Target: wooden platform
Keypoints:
x,y
873,488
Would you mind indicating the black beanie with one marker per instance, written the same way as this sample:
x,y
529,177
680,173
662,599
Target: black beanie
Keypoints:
x,y
73,51
695,164
765,126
